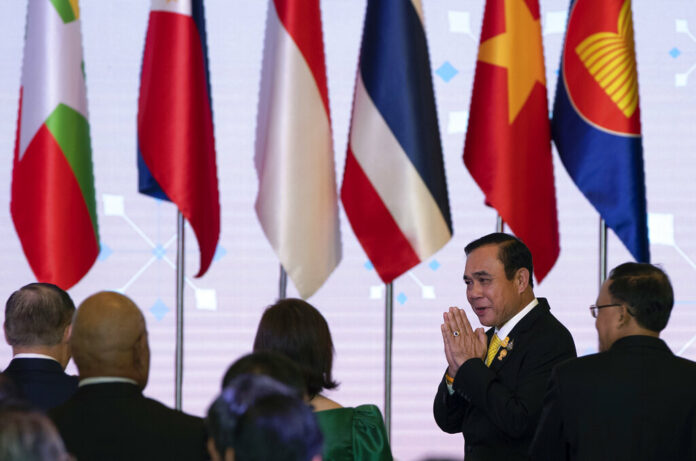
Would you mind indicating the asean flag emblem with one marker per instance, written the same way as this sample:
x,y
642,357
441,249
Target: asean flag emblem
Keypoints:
x,y
599,66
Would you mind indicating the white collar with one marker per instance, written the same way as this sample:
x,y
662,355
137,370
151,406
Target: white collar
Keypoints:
x,y
510,324
31,355
106,379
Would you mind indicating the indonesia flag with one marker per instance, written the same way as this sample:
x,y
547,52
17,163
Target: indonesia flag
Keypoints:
x,y
176,145
394,189
297,203
53,199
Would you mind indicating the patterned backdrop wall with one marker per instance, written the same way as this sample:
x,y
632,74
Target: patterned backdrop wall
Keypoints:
x,y
222,308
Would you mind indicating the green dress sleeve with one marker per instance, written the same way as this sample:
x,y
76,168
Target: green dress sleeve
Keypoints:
x,y
354,434
370,441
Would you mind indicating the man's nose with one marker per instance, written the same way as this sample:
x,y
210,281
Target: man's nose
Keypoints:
x,y
474,290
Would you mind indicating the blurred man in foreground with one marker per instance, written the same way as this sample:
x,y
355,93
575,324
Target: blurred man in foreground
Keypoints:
x,y
259,419
493,388
109,418
634,400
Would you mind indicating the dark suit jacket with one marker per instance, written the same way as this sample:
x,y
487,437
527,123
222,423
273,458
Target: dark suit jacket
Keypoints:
x,y
42,382
114,421
497,408
634,402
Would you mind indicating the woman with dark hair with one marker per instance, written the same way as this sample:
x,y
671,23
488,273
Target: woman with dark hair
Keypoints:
x,y
257,418
296,329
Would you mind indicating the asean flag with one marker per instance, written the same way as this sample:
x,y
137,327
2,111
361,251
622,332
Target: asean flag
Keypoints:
x,y
508,144
596,117
176,146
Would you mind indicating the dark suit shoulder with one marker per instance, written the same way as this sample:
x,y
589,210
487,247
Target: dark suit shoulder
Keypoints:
x,y
114,421
174,416
42,382
542,329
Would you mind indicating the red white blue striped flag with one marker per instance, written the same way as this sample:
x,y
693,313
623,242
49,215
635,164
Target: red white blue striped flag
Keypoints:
x,y
297,203
176,146
394,189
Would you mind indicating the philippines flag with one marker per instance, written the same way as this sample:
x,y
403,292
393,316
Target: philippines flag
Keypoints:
x,y
53,199
596,117
394,189
297,204
176,146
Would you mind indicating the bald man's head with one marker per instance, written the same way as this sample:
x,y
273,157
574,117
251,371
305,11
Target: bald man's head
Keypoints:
x,y
109,338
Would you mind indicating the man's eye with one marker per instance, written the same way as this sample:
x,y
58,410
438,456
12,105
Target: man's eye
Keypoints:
x,y
484,281
468,282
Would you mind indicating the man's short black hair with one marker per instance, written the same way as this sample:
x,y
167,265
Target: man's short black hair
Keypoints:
x,y
512,252
37,315
647,291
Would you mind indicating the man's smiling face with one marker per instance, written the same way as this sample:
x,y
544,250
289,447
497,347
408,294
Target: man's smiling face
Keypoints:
x,y
493,298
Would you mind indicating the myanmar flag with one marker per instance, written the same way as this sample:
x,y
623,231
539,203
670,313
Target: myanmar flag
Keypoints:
x,y
53,200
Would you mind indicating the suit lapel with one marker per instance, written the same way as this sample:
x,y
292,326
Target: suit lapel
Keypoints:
x,y
517,335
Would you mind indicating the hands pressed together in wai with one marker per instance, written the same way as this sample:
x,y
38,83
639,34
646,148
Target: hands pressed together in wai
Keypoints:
x,y
461,341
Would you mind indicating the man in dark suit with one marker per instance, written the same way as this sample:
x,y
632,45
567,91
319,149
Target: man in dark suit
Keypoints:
x,y
109,418
634,400
493,389
37,327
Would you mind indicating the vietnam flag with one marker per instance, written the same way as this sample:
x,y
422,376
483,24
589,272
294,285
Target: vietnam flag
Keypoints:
x,y
53,200
508,147
176,145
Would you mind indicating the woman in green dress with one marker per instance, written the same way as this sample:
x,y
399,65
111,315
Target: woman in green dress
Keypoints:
x,y
296,329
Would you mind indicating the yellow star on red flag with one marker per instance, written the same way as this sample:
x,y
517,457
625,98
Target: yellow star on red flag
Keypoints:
x,y
518,50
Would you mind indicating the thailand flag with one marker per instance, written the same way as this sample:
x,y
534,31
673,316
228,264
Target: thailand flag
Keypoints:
x,y
176,146
297,204
596,117
394,189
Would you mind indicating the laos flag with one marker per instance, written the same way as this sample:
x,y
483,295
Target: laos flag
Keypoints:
x,y
596,117
176,146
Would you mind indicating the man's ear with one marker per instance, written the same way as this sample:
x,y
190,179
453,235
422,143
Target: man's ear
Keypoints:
x,y
624,316
522,279
67,333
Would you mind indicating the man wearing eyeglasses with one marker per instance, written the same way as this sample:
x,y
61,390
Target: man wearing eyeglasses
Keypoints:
x,y
634,400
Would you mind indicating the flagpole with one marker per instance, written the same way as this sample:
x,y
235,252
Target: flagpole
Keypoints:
x,y
389,317
282,283
499,224
602,251
179,373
